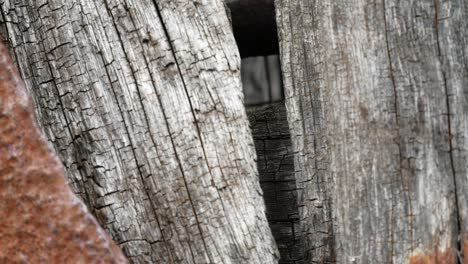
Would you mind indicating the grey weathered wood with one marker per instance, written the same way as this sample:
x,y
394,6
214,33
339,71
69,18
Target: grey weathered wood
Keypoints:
x,y
142,101
305,120
376,93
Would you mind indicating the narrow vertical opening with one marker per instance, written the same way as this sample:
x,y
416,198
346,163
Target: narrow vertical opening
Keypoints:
x,y
255,31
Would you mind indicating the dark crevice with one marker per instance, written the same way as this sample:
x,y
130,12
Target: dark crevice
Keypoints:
x,y
254,27
275,161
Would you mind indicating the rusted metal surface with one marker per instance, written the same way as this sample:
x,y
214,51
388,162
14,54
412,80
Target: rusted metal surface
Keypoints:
x,y
41,220
465,251
436,257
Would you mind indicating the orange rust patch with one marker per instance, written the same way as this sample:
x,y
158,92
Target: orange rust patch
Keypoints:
x,y
41,220
465,252
437,257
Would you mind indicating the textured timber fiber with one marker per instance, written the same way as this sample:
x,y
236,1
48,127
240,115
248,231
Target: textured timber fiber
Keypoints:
x,y
377,101
142,101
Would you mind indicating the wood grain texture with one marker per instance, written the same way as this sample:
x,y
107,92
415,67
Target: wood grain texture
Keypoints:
x,y
376,93
142,101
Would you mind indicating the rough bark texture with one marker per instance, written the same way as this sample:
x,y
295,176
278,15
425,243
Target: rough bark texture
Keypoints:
x,y
143,103
42,221
276,168
376,93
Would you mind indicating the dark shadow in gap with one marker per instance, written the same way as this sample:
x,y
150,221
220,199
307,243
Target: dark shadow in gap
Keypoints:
x,y
261,78
254,27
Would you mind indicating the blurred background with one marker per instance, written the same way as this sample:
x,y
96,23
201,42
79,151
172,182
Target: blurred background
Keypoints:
x,y
261,79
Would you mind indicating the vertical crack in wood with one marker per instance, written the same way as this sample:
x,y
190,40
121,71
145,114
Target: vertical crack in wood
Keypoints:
x,y
459,248
398,140
153,207
158,11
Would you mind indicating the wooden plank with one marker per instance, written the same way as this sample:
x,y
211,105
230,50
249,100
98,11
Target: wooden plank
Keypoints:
x,y
376,97
142,101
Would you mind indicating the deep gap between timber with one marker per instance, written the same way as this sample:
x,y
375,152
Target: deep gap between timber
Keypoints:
x,y
255,31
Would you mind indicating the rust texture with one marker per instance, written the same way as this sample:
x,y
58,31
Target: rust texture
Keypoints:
x,y
41,220
465,251
435,257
